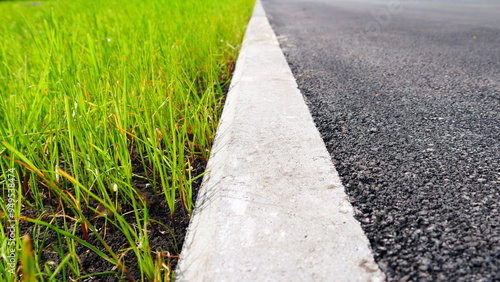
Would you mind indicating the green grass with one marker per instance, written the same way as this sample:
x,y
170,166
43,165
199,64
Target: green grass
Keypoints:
x,y
87,90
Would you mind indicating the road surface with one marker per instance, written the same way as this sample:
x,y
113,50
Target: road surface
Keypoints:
x,y
406,96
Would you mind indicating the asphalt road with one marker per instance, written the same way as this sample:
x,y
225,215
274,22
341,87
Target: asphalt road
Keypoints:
x,y
406,95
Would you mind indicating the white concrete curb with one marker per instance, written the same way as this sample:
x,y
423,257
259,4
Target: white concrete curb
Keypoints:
x,y
272,207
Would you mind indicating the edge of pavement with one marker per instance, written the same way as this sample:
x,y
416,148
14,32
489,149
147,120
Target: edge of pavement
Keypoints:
x,y
271,206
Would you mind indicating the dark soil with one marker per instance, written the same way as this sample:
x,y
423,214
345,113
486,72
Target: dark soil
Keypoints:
x,y
159,237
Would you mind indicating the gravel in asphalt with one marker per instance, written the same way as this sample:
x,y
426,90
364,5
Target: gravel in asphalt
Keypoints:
x,y
406,96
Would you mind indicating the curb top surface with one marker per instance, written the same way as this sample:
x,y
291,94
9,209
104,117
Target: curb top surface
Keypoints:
x,y
272,206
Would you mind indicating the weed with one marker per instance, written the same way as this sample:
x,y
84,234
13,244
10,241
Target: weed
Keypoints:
x,y
106,108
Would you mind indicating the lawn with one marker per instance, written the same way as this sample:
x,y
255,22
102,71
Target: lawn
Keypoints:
x,y
108,114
